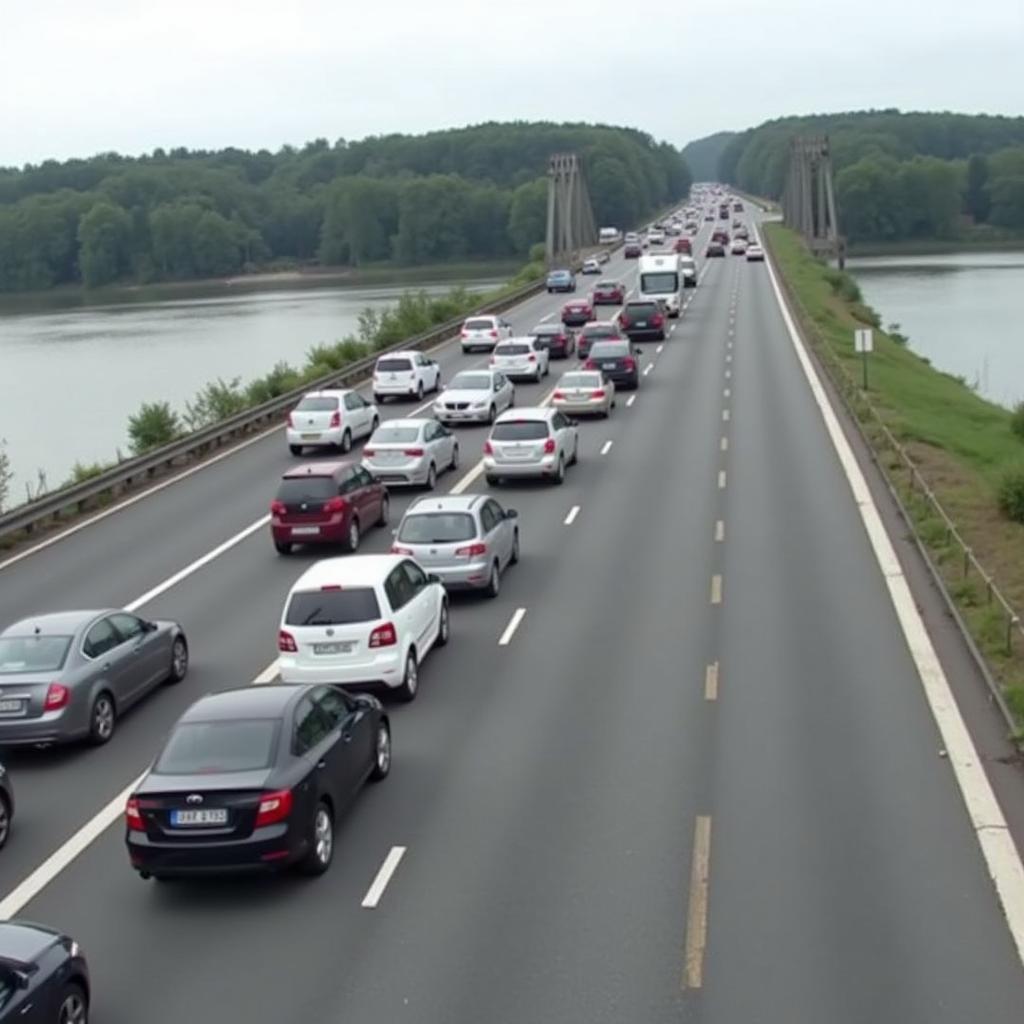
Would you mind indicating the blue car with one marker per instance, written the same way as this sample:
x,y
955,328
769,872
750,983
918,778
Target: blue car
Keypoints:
x,y
561,281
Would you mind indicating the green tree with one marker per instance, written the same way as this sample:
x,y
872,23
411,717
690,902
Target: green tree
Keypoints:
x,y
104,235
1008,202
6,474
976,198
528,215
154,424
215,246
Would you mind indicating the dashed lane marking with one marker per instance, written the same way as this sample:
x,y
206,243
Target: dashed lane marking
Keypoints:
x,y
510,629
571,517
716,589
720,531
380,883
711,681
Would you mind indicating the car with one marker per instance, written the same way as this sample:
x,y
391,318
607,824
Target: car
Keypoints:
x,y
576,312
523,357
739,246
603,256
466,540
367,621
596,330
709,216
755,254
656,237
69,676
632,250
742,232
631,236
737,223
44,977
617,361
584,392
326,503
556,338
474,396
412,451
405,374
561,281
714,250
591,265
537,442
643,319
6,806
253,779
720,235
608,293
330,419
688,269
483,332
683,245
692,226
737,206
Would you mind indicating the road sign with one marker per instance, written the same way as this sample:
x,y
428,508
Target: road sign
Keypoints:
x,y
863,340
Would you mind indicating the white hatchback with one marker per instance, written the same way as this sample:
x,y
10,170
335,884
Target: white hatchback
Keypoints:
x,y
483,332
362,620
521,357
330,419
405,375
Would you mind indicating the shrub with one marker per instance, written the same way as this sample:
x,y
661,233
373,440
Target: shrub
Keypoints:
x,y
539,253
1017,420
217,401
281,379
155,423
842,284
82,471
1011,495
894,332
6,474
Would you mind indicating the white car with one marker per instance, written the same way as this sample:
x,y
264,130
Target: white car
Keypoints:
x,y
755,254
483,332
406,375
361,620
475,396
410,452
521,357
330,419
584,392
591,265
530,443
655,237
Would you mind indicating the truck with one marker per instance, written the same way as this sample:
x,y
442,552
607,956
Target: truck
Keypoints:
x,y
659,279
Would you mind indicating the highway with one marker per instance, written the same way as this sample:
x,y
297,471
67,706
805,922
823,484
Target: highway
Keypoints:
x,y
699,782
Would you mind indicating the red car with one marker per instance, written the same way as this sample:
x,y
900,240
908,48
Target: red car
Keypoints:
x,y
684,245
633,251
577,312
608,293
326,503
720,235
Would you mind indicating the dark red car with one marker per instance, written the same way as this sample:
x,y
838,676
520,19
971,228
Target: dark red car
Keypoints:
x,y
632,250
598,330
720,235
559,342
642,320
608,293
684,245
576,312
326,503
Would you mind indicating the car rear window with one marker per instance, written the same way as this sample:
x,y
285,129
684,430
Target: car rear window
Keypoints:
x,y
520,430
479,325
600,331
512,350
641,308
437,528
313,403
296,490
609,349
546,330
470,382
396,435
580,380
33,653
332,607
394,365
204,748
607,285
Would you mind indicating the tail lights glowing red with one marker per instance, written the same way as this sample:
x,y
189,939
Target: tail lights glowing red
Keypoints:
x,y
333,505
384,635
274,806
531,358
336,418
558,394
471,551
286,642
549,446
494,334
414,452
57,697
133,816
599,393
278,508
488,448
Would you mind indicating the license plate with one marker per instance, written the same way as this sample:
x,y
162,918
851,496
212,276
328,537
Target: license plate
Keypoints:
x,y
211,816
311,437
641,323
608,366
305,531
11,706
334,648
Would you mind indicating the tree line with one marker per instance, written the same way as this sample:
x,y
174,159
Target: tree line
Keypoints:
x,y
475,192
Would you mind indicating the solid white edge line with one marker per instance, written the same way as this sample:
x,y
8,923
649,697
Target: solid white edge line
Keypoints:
x,y
380,883
510,629
571,517
997,846
268,675
606,447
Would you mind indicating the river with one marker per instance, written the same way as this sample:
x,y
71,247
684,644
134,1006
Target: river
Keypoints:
x,y
958,309
70,378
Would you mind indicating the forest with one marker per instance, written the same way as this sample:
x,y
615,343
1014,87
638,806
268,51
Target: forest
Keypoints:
x,y
467,193
898,176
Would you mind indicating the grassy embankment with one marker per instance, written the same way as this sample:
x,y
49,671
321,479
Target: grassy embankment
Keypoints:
x,y
962,445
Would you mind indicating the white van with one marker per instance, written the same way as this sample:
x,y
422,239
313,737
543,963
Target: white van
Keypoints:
x,y
608,235
660,280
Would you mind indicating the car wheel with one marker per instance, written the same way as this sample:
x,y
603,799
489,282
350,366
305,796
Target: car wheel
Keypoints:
x,y
374,425
73,1007
382,752
419,392
513,559
410,679
494,481
560,475
512,400
295,449
283,547
5,820
385,511
455,457
492,414
321,841
102,719
346,441
575,453
431,477
352,541
378,399
494,583
444,626
179,660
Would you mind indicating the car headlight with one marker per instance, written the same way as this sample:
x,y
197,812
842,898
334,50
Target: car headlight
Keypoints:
x,y
75,949
479,405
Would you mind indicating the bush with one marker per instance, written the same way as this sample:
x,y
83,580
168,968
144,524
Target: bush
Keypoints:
x,y
1011,495
842,284
82,471
6,474
539,253
217,401
895,334
1017,420
155,423
281,379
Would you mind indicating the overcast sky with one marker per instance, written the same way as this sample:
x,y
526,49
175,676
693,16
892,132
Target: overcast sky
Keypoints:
x,y
79,77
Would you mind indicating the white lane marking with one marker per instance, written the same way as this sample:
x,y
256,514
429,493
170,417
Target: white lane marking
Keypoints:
x,y
672,329
648,368
728,357
720,531
711,681
721,479
380,883
268,675
726,393
716,589
725,415
697,908
724,445
544,319
728,374
571,517
606,447
510,629
630,400
659,349
990,827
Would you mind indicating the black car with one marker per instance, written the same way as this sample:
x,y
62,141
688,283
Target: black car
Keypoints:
x,y
643,319
714,249
44,978
6,805
617,361
254,779
559,342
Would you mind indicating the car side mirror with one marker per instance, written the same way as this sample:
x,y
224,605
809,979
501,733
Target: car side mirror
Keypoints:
x,y
433,578
149,627
637,350
511,513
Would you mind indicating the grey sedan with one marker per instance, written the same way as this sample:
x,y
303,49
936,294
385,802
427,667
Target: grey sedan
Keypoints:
x,y
475,396
69,675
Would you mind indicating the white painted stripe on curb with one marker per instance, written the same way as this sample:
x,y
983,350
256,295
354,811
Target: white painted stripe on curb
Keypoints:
x,y
380,883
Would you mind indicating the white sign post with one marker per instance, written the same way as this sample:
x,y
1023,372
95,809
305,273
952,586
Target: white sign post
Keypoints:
x,y
863,342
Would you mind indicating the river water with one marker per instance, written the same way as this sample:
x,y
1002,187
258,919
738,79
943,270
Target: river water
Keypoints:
x,y
958,309
70,378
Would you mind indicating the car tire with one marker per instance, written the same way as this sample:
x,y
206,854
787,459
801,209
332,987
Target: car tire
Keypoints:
x,y
102,719
431,482
559,477
494,481
512,400
493,581
492,414
410,684
283,547
352,540
179,660
575,453
444,626
385,511
382,752
72,1005
455,457
513,559
346,441
419,392
321,841
374,424
5,820
295,449
378,399
540,373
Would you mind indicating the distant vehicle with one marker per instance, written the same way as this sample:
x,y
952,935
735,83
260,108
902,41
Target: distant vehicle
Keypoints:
x,y
631,236
474,396
561,281
608,236
6,806
330,419
326,503
591,265
584,392
683,245
556,338
68,676
603,256
737,223
720,235
608,293
596,330
741,232
362,621
44,978
411,451
631,250
253,779
714,250
467,540
755,254
688,270
656,237
659,280
484,332
405,374
521,357
709,216
530,443
739,247
577,311
737,206
643,319
617,361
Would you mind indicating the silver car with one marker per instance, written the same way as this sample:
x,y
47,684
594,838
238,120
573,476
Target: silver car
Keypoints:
x,y
521,357
539,442
475,396
410,452
70,675
584,392
466,540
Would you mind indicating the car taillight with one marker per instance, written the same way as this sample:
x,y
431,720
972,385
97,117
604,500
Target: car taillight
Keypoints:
x,y
384,636
494,358
630,363
590,365
471,551
488,448
494,334
278,508
558,394
291,421
599,393
549,446
623,320
369,452
413,451
334,505
133,816
274,806
531,358
397,549
336,418
57,697
657,320
286,642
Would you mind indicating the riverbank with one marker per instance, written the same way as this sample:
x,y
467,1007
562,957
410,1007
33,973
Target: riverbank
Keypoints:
x,y
962,445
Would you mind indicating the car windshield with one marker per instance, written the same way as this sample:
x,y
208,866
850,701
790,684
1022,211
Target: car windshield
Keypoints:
x,y
546,330
512,350
332,607
580,380
470,382
641,309
609,350
317,403
520,430
600,331
299,489
33,653
662,282
394,365
479,325
437,528
395,435
205,748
